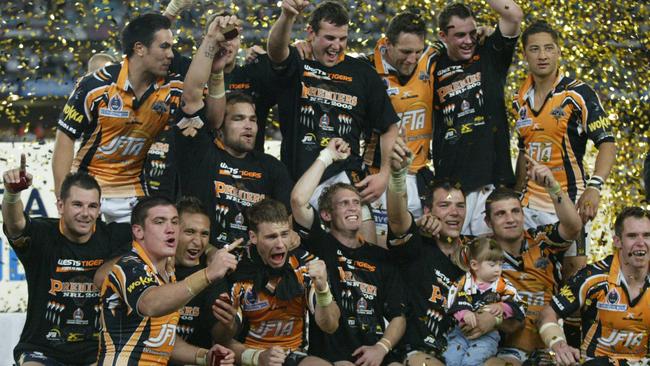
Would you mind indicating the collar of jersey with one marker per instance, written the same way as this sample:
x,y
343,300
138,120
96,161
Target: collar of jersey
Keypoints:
x,y
219,143
123,78
527,92
139,250
616,276
382,66
61,228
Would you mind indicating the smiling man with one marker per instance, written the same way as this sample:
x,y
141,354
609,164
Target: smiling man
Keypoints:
x,y
471,142
60,257
612,297
197,324
425,260
405,63
332,95
140,298
533,257
118,111
365,284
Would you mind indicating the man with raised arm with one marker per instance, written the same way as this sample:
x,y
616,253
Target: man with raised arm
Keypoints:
x,y
60,257
365,284
425,259
273,288
331,96
533,257
140,297
471,141
225,173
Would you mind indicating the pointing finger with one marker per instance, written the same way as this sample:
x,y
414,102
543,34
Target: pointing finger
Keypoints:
x,y
23,162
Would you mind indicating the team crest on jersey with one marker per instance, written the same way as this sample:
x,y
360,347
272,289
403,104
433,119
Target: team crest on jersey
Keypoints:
x,y
423,76
612,302
392,91
523,120
114,109
250,301
238,222
558,113
159,107
324,123
541,263
362,307
115,104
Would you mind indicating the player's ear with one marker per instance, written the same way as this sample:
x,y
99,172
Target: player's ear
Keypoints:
x,y
137,231
617,242
325,216
139,48
252,237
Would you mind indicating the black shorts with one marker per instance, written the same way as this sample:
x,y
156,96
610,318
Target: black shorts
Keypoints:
x,y
35,356
294,358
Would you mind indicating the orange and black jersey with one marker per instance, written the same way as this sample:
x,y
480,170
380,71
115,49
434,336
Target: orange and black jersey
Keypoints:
x,y
117,128
428,274
465,295
62,309
614,325
269,321
556,133
412,99
535,273
367,287
129,338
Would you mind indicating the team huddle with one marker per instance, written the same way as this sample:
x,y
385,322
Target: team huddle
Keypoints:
x,y
393,229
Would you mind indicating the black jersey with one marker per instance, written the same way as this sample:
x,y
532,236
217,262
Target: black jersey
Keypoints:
x,y
428,274
254,79
159,172
317,103
225,184
63,303
196,319
366,286
471,139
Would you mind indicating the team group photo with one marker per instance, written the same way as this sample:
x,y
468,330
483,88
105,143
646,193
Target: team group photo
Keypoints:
x,y
336,182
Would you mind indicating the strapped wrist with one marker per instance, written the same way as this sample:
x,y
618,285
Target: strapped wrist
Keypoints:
x,y
555,189
216,87
250,357
197,281
326,157
323,298
596,182
551,333
10,197
201,357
